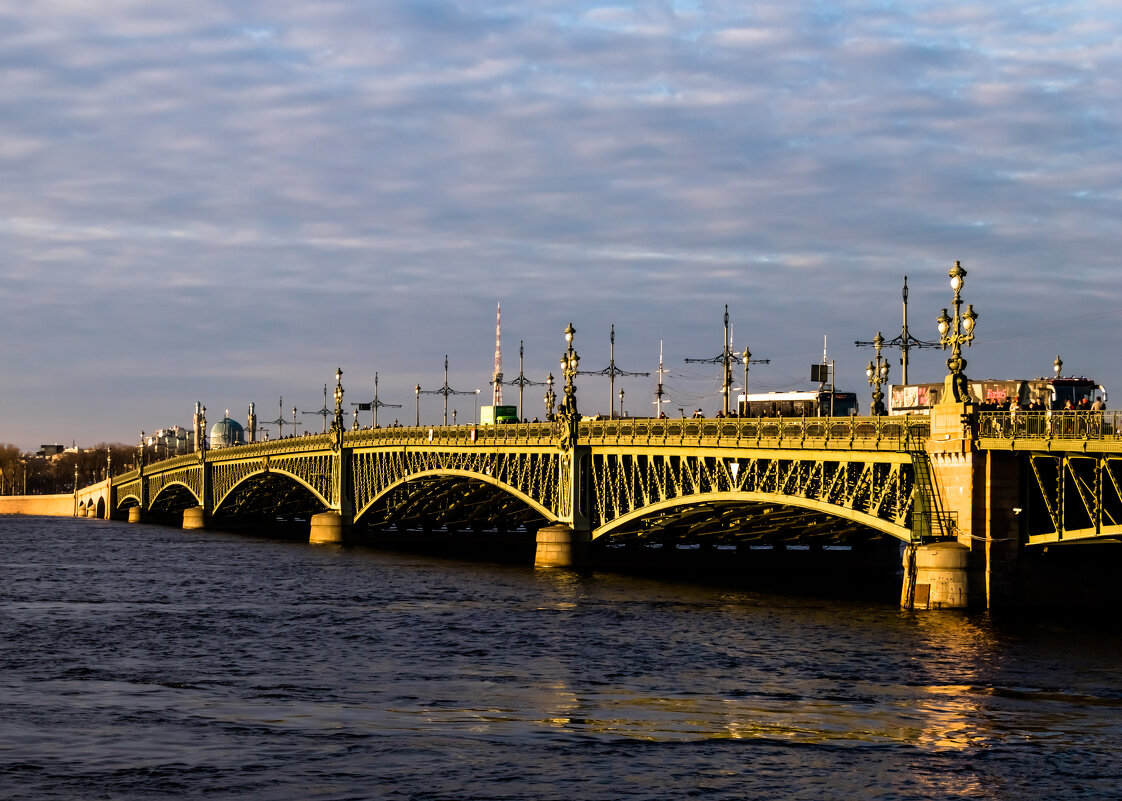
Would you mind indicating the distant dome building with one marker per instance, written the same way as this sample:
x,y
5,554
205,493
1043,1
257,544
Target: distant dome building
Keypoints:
x,y
226,433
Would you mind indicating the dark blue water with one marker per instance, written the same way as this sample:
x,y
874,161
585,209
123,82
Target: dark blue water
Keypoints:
x,y
141,662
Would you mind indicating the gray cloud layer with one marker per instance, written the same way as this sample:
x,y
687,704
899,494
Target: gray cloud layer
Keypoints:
x,y
224,201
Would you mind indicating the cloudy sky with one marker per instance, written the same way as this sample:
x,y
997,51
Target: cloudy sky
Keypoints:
x,y
225,201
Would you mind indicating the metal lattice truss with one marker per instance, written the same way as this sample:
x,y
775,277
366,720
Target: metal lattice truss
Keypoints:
x,y
632,488
128,490
314,470
188,474
530,475
734,478
1075,496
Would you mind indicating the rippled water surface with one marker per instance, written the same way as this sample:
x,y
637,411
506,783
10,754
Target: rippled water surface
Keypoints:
x,y
143,662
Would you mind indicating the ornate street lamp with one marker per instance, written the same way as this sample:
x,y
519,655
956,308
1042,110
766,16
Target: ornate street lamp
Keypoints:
x,y
570,364
1057,366
337,422
747,357
956,332
877,373
550,398
621,403
417,392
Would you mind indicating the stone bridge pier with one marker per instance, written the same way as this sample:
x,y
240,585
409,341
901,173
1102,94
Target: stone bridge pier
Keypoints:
x,y
978,493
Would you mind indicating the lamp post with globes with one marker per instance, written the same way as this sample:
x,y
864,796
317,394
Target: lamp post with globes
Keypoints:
x,y
956,332
746,357
337,424
550,398
877,373
570,364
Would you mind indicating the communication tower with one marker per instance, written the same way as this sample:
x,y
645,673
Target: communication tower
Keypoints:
x,y
497,376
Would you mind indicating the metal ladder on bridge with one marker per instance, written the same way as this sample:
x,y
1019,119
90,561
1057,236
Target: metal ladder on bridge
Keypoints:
x,y
929,521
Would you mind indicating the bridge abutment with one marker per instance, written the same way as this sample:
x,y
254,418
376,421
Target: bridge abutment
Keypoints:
x,y
941,576
562,546
329,527
194,517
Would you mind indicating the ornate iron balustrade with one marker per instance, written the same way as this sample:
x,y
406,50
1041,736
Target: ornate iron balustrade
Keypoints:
x,y
861,433
458,435
1050,425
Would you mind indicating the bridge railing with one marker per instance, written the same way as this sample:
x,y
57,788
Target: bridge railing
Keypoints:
x,y
1061,425
852,432
543,434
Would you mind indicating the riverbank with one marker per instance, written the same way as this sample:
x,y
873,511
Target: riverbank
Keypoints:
x,y
50,505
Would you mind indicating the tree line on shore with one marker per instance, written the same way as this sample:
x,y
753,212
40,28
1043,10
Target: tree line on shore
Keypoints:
x,y
29,474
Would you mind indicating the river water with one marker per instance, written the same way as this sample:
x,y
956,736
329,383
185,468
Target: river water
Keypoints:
x,y
141,662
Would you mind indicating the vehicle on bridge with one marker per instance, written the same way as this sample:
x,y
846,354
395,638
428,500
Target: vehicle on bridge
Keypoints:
x,y
1049,393
811,403
494,415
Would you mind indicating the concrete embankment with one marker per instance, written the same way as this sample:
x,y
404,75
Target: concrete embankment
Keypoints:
x,y
53,505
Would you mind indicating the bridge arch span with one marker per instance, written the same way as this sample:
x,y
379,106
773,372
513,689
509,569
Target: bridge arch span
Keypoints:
x,y
748,500
269,473
451,473
174,486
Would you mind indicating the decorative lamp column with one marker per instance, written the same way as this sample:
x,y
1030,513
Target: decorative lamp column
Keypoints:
x,y
337,421
956,332
570,363
566,543
747,356
621,403
877,373
550,398
417,392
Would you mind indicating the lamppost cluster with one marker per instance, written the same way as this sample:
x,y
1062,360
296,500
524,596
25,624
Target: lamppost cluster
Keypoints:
x,y
956,332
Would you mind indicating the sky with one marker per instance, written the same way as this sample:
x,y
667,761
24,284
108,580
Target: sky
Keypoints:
x,y
225,201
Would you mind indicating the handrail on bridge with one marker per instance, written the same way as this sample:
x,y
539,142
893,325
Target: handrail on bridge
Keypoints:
x,y
1050,425
877,433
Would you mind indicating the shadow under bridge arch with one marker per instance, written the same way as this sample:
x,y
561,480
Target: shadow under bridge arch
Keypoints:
x,y
761,498
269,493
453,500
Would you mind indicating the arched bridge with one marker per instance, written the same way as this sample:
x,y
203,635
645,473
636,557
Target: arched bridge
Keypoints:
x,y
1001,488
715,480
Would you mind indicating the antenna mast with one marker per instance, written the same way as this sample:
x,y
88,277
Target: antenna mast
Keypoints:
x,y
497,376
